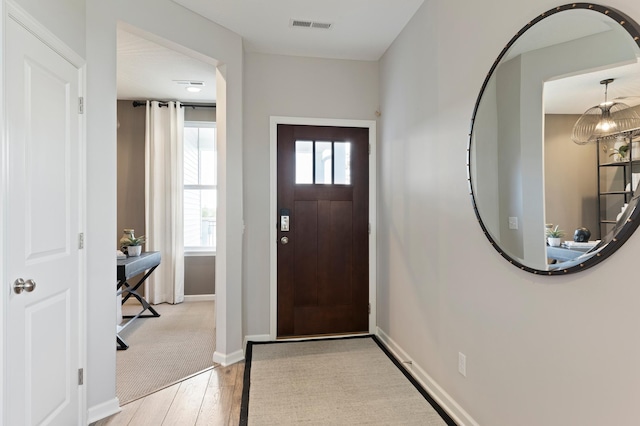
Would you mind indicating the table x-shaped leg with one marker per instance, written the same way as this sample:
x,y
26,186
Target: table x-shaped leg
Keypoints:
x,y
124,287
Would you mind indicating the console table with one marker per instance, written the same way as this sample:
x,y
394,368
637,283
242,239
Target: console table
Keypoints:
x,y
563,254
128,268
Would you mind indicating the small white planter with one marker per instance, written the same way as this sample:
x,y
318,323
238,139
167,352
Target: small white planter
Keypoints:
x,y
554,242
134,251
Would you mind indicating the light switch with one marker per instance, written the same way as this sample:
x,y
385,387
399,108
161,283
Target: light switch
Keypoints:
x,y
513,222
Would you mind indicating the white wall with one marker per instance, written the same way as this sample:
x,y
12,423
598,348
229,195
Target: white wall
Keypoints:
x,y
64,18
295,87
540,350
512,161
183,29
100,113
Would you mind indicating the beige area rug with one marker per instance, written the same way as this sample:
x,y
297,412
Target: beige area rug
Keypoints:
x,y
166,349
332,382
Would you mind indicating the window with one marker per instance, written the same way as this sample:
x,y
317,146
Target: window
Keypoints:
x,y
323,162
200,186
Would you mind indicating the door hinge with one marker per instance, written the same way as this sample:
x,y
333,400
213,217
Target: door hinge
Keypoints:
x,y
369,228
81,105
369,308
369,149
81,240
80,376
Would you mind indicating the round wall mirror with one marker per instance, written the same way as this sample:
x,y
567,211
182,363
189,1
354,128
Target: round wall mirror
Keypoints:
x,y
532,171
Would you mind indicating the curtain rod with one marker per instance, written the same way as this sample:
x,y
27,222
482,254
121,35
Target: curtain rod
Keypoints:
x,y
185,105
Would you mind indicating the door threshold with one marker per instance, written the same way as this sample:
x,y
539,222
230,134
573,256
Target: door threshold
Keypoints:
x,y
323,336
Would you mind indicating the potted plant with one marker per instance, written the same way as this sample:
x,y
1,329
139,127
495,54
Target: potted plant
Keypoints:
x,y
554,236
134,245
620,153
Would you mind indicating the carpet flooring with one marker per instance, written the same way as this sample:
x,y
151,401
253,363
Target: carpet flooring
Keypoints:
x,y
164,350
332,382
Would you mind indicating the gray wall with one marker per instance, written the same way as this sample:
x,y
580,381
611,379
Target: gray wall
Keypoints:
x,y
131,170
293,87
199,275
535,346
571,178
199,270
511,158
200,114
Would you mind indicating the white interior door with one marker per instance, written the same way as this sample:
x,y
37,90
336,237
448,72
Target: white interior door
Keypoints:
x,y
44,219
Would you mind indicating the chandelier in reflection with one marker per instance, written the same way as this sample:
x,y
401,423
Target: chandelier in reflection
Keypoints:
x,y
605,120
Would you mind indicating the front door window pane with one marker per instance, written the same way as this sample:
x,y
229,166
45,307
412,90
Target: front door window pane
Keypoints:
x,y
342,163
304,162
324,163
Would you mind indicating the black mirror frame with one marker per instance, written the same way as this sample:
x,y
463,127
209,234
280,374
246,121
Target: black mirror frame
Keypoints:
x,y
622,233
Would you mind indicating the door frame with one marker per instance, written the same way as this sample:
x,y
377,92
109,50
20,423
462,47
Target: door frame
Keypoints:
x,y
273,206
11,10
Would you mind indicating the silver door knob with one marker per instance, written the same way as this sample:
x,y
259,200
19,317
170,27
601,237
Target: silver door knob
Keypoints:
x,y
284,240
21,285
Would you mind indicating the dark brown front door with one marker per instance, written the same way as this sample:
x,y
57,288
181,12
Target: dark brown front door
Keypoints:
x,y
323,257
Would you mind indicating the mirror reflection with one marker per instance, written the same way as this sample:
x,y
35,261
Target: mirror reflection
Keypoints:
x,y
530,180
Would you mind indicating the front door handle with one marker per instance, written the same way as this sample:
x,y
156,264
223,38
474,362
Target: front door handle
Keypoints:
x,y
284,240
21,285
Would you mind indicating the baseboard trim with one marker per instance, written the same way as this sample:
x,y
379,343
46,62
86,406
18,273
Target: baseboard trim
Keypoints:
x,y
256,338
225,360
104,410
455,411
187,298
199,298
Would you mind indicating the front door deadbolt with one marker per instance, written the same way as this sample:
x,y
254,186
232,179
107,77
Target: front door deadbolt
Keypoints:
x,y
284,220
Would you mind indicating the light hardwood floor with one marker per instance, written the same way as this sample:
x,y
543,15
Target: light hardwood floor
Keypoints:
x,y
210,398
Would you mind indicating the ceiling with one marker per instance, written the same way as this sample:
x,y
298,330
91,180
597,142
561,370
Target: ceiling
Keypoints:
x,y
576,94
148,70
360,30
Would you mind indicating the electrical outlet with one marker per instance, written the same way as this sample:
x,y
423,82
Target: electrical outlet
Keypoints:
x,y
462,364
513,222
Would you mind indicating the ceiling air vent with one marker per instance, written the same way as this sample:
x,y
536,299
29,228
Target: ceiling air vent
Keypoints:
x,y
310,24
321,25
190,82
192,86
302,24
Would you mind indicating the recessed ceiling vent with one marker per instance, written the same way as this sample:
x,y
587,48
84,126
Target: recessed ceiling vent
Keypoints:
x,y
190,83
192,86
310,24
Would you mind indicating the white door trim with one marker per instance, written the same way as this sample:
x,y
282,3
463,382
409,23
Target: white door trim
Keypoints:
x,y
3,214
273,206
11,10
